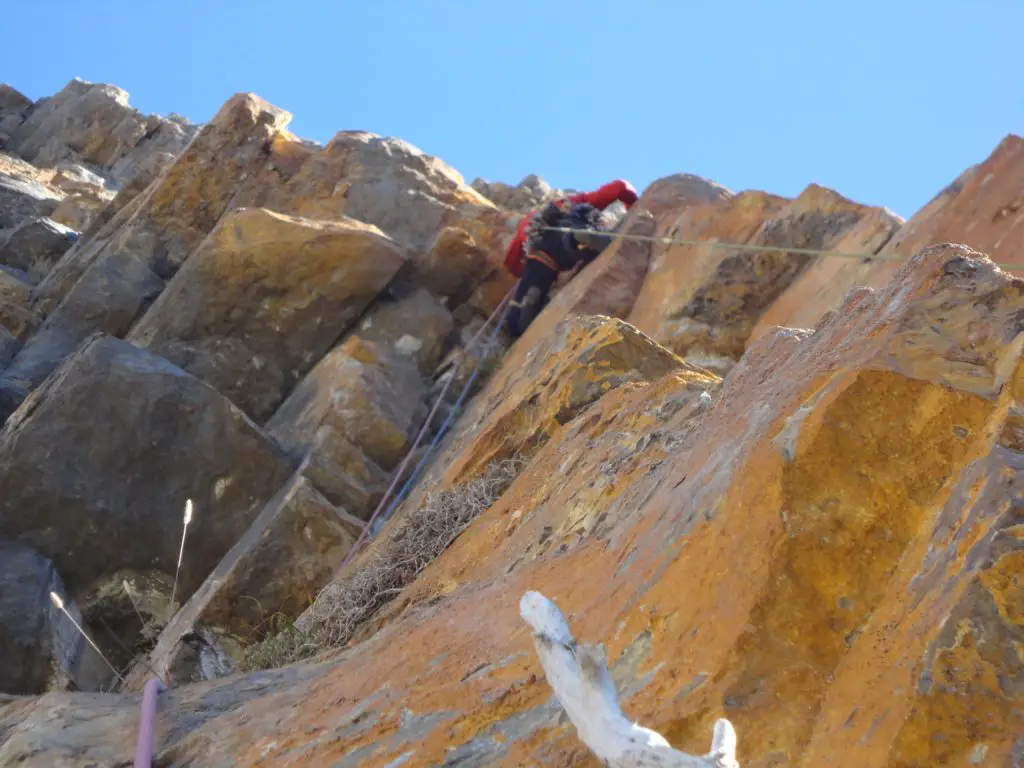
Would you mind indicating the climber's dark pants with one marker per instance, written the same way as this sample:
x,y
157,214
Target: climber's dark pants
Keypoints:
x,y
568,251
531,296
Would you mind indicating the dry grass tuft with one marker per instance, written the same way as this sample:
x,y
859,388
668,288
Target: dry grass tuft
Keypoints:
x,y
343,606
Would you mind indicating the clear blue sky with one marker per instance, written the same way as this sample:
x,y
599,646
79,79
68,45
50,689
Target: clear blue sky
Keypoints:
x,y
886,102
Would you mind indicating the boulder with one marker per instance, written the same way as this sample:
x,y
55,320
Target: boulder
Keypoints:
x,y
282,288
532,192
828,279
15,313
452,266
370,396
105,455
414,325
345,475
675,268
267,578
92,123
80,210
24,198
106,281
386,182
724,292
14,108
40,649
531,399
34,246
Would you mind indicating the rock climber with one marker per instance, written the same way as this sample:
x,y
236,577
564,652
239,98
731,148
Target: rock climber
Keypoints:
x,y
537,256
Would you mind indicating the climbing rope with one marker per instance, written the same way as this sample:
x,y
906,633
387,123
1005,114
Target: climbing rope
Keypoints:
x,y
866,257
387,504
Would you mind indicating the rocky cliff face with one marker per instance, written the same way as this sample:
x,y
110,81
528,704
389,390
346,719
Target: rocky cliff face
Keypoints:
x,y
813,533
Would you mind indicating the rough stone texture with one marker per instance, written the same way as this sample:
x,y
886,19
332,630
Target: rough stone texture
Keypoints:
x,y
9,346
723,293
386,182
827,555
279,289
531,400
369,395
530,193
39,647
452,267
270,576
14,108
92,123
15,313
828,279
105,281
415,325
80,210
35,246
105,455
23,195
675,268
982,209
344,474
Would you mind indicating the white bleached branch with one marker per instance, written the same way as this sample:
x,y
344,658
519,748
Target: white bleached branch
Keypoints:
x,y
579,676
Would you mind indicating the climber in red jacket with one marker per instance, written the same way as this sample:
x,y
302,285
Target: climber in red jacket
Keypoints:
x,y
537,255
601,198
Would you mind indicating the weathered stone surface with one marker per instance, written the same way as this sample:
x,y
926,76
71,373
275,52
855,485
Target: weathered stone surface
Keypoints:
x,y
39,647
675,269
386,182
282,288
532,192
15,313
105,455
270,576
828,279
24,198
530,400
14,108
667,195
982,209
105,281
725,292
79,210
35,246
826,554
9,346
369,395
414,325
92,123
452,267
344,474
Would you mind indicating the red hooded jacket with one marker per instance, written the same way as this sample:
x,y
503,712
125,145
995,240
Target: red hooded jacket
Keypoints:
x,y
601,198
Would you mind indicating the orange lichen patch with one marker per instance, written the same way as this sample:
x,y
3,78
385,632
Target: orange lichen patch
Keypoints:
x,y
1005,582
585,358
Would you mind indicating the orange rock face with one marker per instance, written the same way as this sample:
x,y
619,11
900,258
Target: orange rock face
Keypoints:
x,y
828,553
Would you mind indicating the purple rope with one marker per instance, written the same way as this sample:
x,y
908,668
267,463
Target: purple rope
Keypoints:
x,y
144,744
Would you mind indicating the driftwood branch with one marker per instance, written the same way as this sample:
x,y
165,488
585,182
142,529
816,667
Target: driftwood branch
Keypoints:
x,y
579,676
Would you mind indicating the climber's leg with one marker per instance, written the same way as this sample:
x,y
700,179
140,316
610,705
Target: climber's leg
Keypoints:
x,y
531,296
